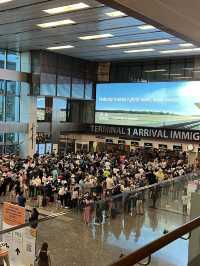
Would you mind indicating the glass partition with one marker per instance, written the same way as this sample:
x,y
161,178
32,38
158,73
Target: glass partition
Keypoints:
x,y
48,84
13,60
77,88
2,58
64,86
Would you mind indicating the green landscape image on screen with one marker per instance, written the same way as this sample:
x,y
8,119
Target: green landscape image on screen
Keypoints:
x,y
154,104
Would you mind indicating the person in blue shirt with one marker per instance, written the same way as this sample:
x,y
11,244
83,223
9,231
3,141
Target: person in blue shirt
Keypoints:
x,y
21,200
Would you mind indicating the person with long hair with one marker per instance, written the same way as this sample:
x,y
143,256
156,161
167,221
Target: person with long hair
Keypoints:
x,y
33,219
43,258
88,209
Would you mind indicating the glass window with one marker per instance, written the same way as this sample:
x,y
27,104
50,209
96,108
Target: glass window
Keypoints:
x,y
13,88
122,73
188,69
88,89
12,108
13,61
2,108
60,105
2,87
48,84
176,70
41,149
10,149
1,137
2,59
135,73
1,149
41,102
11,138
148,73
41,108
24,88
40,115
63,86
77,88
162,72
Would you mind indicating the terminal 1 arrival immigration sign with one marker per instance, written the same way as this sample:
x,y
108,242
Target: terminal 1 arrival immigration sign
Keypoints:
x,y
146,132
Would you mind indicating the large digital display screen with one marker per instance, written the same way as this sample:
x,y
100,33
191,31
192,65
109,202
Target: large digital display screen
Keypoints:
x,y
154,104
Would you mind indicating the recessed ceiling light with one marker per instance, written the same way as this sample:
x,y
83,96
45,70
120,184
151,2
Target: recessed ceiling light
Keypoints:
x,y
180,51
183,77
155,70
188,68
116,14
98,36
56,23
171,74
186,45
139,43
63,9
146,27
139,51
60,47
5,1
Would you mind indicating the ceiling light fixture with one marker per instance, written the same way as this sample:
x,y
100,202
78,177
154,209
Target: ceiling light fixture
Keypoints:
x,y
64,9
139,51
188,68
180,51
146,27
183,77
171,74
56,23
98,36
139,43
60,47
115,14
186,45
155,70
5,1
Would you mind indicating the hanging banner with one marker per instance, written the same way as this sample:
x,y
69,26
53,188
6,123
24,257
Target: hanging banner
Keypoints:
x,y
20,243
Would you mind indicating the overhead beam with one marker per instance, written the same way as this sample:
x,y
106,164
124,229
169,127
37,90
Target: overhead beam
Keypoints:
x,y
163,15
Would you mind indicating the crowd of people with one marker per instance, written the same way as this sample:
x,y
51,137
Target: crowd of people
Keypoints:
x,y
80,179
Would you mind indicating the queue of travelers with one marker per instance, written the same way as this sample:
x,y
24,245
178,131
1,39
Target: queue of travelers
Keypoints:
x,y
87,179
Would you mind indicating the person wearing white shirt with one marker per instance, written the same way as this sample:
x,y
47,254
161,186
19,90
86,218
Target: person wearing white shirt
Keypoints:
x,y
109,184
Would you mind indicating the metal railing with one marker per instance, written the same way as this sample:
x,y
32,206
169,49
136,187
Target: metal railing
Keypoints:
x,y
147,250
43,219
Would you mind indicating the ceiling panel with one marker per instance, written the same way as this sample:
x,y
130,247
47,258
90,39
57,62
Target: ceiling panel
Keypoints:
x,y
180,17
19,30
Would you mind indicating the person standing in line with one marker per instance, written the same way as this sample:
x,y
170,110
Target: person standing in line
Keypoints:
x,y
74,198
61,194
109,184
21,200
185,201
87,213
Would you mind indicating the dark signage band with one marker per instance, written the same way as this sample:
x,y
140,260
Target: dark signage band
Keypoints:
x,y
146,132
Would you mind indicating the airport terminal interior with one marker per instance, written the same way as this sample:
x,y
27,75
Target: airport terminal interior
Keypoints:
x,y
99,132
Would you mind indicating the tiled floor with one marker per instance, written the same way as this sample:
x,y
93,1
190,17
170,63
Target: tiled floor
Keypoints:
x,y
73,243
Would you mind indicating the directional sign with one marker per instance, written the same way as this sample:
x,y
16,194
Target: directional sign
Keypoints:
x,y
20,243
17,251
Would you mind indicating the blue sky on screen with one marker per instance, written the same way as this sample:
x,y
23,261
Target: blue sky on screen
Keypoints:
x,y
178,97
